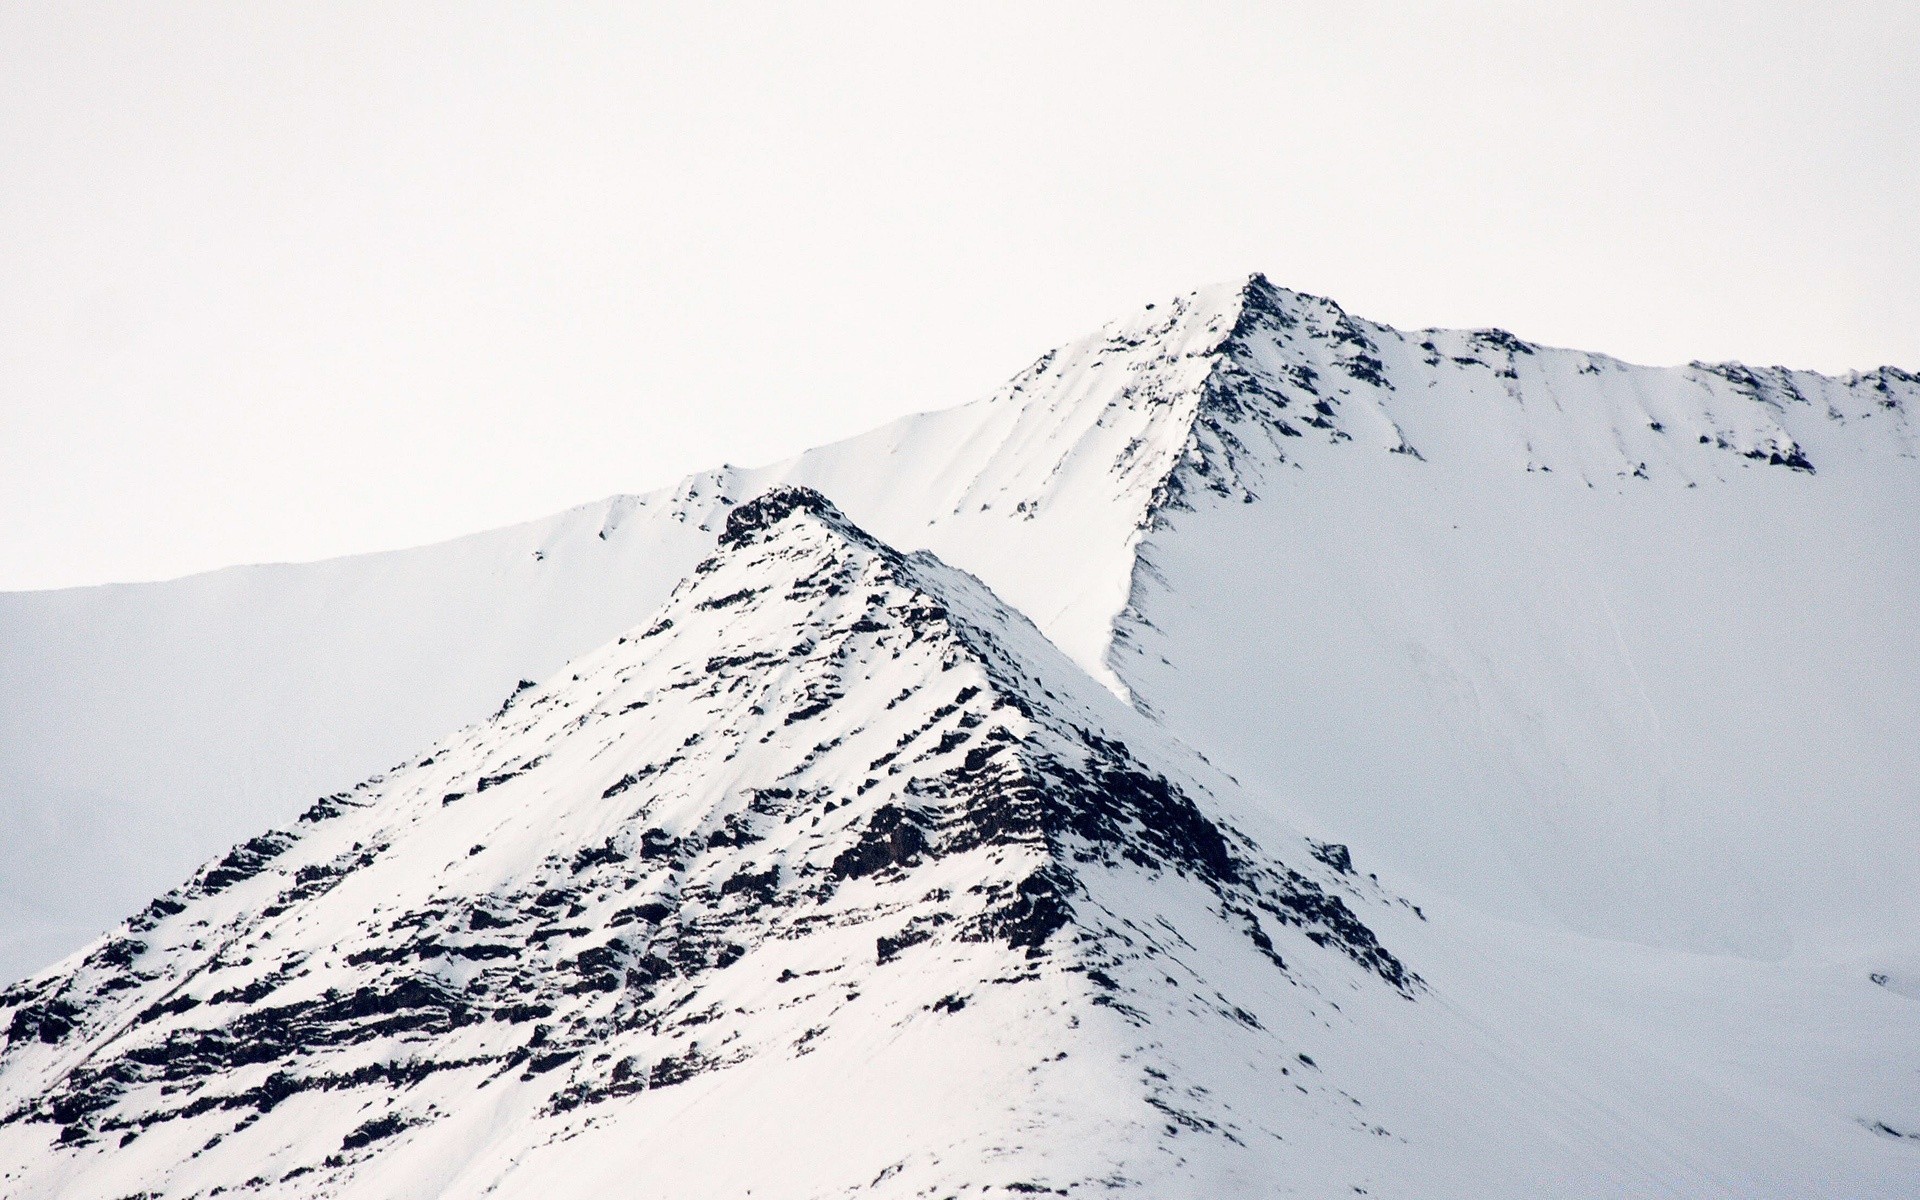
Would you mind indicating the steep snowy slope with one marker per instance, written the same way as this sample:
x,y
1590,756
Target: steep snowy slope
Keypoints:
x,y
835,877
1627,650
145,725
834,833
1558,634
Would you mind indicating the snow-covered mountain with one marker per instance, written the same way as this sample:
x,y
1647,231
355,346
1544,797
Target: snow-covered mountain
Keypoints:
x,y
836,877
1606,674
829,800
1555,633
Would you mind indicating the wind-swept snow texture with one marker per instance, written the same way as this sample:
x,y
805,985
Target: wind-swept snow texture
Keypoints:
x,y
1610,669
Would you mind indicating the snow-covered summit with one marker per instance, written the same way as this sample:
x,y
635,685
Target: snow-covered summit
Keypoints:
x,y
1242,448
835,877
1607,668
1280,372
828,794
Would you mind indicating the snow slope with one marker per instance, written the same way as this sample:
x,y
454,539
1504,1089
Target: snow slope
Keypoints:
x,y
835,877
1626,651
1616,649
833,831
149,724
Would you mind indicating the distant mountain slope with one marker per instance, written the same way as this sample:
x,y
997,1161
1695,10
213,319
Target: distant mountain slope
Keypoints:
x,y
1624,650
1199,477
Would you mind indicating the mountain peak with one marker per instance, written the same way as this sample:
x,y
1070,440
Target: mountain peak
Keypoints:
x,y
1262,303
829,790
758,516
839,852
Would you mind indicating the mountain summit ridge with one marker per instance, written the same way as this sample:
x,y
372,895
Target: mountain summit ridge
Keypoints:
x,y
574,903
1608,667
1049,490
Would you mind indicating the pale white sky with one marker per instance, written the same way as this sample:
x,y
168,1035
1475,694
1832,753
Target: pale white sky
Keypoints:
x,y
281,281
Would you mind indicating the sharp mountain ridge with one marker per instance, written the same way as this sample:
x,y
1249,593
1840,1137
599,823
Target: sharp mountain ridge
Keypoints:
x,y
226,697
826,792
961,854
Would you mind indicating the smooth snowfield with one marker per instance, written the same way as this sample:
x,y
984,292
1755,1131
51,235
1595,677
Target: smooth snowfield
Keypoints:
x,y
1680,715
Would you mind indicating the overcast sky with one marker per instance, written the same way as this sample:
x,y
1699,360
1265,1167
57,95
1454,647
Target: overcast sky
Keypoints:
x,y
287,281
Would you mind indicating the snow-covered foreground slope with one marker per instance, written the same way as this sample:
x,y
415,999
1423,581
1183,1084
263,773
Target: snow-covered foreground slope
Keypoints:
x,y
835,833
835,877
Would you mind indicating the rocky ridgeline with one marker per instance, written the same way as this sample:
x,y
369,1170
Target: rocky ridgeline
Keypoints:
x,y
824,769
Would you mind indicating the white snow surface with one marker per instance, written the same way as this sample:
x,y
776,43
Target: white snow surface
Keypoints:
x,y
1582,650
1610,669
830,802
659,928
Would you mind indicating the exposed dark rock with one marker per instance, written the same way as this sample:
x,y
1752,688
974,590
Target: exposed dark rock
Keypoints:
x,y
244,861
892,838
374,1130
764,512
1334,855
